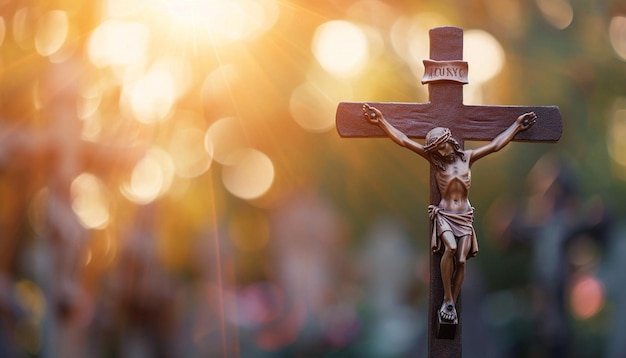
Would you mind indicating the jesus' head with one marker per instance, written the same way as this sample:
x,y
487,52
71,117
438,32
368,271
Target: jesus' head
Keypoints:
x,y
441,147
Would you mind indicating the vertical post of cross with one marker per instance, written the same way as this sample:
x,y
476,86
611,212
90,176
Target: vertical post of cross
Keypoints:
x,y
446,44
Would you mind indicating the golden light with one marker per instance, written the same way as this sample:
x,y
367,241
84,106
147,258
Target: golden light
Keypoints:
x,y
191,12
223,138
191,157
124,8
409,36
341,48
248,174
485,55
473,94
89,101
151,97
219,85
152,176
119,44
87,110
90,201
52,30
617,35
92,127
312,107
224,21
179,70
587,297
23,27
559,13
3,30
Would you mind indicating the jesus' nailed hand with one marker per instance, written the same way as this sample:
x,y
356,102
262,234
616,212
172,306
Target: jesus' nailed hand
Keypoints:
x,y
453,234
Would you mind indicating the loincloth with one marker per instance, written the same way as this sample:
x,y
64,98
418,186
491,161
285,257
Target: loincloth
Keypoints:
x,y
459,224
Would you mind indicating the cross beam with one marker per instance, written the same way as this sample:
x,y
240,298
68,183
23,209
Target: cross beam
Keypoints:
x,y
445,74
481,123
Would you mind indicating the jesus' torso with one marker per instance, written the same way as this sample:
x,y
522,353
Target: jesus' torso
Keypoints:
x,y
454,184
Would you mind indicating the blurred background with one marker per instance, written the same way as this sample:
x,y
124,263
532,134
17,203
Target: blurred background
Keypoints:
x,y
172,185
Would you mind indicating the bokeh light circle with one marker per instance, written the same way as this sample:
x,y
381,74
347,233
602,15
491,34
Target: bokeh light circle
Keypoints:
x,y
223,21
3,30
119,44
312,108
587,297
223,138
340,47
484,54
52,31
187,147
151,97
248,173
151,177
617,35
90,201
559,13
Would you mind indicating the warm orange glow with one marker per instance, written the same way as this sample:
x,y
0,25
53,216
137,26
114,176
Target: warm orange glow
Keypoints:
x,y
587,297
123,8
248,174
89,102
223,138
151,177
312,108
151,97
223,21
3,30
341,48
218,84
174,163
484,53
51,33
188,153
409,38
23,24
89,201
193,12
121,45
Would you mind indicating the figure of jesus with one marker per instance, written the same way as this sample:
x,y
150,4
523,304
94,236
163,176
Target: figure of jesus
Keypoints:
x,y
453,234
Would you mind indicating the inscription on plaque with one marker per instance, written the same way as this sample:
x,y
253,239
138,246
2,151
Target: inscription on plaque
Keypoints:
x,y
435,71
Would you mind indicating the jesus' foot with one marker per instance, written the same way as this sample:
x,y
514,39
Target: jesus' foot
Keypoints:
x,y
448,311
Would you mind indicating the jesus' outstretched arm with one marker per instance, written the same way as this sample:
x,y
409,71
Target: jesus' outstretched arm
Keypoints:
x,y
522,123
375,116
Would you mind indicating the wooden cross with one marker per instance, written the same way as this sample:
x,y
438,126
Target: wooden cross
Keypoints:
x,y
445,74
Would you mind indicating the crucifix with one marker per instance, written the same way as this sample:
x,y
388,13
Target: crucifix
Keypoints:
x,y
445,123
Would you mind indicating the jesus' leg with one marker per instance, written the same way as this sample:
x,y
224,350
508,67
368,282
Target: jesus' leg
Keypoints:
x,y
461,256
448,311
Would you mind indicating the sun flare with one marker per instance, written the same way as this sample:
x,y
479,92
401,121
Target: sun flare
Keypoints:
x,y
223,21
